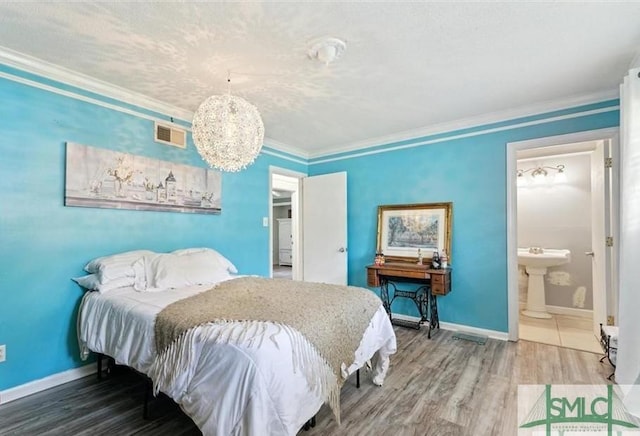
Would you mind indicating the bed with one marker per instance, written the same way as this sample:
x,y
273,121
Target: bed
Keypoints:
x,y
266,379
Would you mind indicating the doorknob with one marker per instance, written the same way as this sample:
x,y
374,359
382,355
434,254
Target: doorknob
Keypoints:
x,y
342,250
589,253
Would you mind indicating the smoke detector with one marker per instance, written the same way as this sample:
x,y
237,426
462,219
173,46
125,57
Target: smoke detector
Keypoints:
x,y
327,50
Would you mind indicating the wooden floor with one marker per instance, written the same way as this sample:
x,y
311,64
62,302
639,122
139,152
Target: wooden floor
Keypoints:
x,y
282,272
440,386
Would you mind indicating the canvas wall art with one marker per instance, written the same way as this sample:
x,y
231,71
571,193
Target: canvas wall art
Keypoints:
x,y
97,177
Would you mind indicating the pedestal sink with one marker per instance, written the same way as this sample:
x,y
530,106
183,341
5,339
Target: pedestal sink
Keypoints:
x,y
536,261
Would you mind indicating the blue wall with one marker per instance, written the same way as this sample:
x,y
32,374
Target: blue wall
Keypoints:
x,y
468,168
43,244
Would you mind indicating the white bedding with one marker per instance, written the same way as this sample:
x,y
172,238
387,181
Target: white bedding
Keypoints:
x,y
229,389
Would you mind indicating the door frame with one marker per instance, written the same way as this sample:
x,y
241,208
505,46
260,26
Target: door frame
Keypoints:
x,y
608,134
296,219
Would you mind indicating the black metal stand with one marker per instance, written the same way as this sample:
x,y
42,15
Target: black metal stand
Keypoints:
x,y
424,299
605,342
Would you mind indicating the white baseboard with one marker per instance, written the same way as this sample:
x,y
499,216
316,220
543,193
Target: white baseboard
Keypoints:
x,y
494,334
46,383
560,310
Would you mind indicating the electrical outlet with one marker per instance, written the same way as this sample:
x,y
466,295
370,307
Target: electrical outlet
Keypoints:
x,y
265,221
610,320
3,353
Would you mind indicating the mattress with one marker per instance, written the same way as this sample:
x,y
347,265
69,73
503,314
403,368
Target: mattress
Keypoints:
x,y
228,389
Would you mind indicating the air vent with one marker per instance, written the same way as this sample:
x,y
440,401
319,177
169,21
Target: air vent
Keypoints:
x,y
171,135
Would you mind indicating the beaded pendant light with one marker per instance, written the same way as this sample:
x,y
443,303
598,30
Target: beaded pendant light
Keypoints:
x,y
228,132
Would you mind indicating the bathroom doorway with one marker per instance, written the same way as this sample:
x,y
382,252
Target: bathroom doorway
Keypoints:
x,y
560,197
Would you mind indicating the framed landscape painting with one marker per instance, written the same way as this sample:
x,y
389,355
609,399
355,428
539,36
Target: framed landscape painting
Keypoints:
x,y
403,229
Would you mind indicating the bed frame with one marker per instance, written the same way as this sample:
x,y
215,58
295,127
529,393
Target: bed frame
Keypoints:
x,y
148,386
111,364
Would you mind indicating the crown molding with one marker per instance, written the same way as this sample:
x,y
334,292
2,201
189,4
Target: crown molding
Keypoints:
x,y
60,74
471,122
454,135
288,157
69,77
286,148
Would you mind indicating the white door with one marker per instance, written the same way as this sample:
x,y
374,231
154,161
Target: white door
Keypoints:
x,y
628,363
324,228
599,230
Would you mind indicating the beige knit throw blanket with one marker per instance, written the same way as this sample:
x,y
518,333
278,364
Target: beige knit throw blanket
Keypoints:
x,y
331,318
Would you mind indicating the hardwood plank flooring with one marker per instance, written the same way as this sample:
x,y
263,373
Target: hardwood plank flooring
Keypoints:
x,y
436,387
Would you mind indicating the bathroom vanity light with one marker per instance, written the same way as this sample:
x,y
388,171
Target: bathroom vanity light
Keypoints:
x,y
540,173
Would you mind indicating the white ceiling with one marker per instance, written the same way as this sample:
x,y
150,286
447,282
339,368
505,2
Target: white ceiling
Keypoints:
x,y
407,66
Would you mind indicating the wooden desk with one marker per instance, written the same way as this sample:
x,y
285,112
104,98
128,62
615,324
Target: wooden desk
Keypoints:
x,y
432,282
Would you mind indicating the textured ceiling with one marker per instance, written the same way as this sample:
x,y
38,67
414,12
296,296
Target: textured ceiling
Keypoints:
x,y
407,66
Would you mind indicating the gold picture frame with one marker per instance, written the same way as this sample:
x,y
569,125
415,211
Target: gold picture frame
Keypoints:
x,y
405,228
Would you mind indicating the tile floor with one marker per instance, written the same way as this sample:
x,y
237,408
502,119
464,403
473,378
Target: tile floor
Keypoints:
x,y
561,330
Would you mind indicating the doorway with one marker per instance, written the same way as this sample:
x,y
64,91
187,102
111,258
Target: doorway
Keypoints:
x,y
544,212
555,195
318,225
282,234
284,223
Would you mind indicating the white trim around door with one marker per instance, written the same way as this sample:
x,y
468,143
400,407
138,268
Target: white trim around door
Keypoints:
x,y
296,219
610,134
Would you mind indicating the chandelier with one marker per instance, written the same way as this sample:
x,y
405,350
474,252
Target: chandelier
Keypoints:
x,y
228,132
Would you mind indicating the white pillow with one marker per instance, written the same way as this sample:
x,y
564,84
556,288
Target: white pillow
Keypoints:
x,y
92,282
164,271
223,260
115,266
118,259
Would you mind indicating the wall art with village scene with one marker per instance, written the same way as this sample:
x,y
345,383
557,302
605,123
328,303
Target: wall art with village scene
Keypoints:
x,y
97,177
